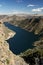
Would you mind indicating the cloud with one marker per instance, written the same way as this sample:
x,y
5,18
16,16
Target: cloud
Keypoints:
x,y
0,5
31,5
18,12
37,9
13,12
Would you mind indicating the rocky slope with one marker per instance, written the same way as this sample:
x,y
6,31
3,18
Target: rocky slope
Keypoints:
x,y
8,33
6,56
29,23
34,24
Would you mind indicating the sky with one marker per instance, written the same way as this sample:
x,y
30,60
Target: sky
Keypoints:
x,y
21,6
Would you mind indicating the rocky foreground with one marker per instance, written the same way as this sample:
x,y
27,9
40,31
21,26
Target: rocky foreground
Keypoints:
x,y
6,56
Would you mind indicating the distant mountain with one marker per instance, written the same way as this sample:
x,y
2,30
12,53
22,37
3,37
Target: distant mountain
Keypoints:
x,y
27,22
2,16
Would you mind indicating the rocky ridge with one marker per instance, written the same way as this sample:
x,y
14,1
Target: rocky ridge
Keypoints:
x,y
29,23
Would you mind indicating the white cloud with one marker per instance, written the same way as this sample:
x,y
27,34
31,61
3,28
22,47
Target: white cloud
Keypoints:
x,y
18,12
31,5
13,12
37,9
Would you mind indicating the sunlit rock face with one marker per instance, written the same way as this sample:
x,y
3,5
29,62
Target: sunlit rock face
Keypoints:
x,y
8,33
6,56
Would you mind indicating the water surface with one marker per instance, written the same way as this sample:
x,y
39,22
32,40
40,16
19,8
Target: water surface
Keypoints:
x,y
22,41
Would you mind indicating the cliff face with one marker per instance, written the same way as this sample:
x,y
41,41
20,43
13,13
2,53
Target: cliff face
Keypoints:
x,y
34,24
29,23
6,56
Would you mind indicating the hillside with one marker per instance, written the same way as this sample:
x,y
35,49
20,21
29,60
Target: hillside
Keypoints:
x,y
34,24
27,22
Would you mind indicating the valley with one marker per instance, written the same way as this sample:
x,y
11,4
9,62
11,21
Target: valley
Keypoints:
x,y
14,31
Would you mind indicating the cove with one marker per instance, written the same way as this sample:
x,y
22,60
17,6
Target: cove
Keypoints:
x,y
22,41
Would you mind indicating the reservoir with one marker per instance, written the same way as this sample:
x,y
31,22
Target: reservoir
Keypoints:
x,y
22,41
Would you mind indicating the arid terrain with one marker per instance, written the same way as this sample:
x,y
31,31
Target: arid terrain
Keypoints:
x,y
6,56
31,24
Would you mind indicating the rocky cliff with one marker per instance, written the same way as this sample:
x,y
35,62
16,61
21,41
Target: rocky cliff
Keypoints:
x,y
29,23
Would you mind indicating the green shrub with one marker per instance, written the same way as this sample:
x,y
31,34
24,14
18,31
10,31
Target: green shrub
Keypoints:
x,y
7,61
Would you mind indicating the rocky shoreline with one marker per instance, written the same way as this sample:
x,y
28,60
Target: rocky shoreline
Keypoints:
x,y
6,56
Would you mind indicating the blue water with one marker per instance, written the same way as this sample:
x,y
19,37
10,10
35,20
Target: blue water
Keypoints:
x,y
22,41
